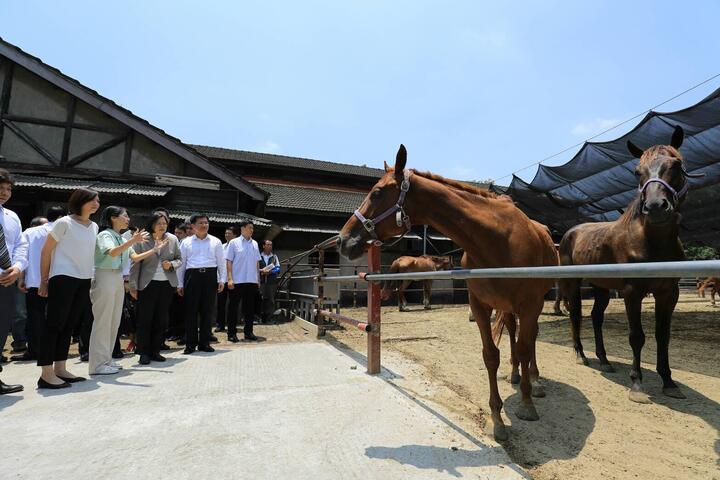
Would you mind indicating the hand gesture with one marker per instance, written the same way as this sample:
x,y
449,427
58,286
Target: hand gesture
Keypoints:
x,y
159,245
166,265
139,236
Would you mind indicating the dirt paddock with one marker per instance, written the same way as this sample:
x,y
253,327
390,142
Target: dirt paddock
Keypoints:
x,y
588,428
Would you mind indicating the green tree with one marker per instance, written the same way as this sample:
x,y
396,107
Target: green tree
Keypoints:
x,y
695,251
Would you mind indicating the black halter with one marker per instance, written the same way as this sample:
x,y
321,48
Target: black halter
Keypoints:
x,y
401,218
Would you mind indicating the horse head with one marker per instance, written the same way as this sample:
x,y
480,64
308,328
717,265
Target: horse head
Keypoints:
x,y
662,178
377,219
443,263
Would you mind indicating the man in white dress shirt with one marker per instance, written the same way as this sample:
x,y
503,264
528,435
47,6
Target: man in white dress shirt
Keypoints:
x,y
29,282
243,279
201,277
13,260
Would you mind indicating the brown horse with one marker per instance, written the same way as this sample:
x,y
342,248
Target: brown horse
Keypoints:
x,y
711,284
491,230
646,232
423,263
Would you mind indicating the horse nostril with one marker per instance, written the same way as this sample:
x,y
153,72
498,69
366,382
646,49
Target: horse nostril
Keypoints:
x,y
665,205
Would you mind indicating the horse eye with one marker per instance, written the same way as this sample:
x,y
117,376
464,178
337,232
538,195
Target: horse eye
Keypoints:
x,y
637,173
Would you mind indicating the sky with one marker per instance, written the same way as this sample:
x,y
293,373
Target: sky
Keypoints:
x,y
475,90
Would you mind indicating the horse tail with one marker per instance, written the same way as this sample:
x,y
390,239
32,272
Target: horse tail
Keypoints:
x,y
497,327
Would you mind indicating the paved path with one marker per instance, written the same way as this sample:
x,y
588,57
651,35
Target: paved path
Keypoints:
x,y
274,411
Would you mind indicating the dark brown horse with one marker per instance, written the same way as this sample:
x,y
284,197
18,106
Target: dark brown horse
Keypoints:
x,y
492,231
646,232
423,263
710,284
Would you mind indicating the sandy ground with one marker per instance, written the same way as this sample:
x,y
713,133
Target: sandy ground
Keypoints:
x,y
588,428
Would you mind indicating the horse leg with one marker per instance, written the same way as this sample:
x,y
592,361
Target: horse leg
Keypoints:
x,y
427,286
571,289
538,389
602,299
712,296
491,357
525,346
511,325
664,307
402,302
633,307
558,298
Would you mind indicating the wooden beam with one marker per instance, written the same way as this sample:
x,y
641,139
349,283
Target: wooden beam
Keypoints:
x,y
72,102
5,94
95,151
128,151
56,123
31,142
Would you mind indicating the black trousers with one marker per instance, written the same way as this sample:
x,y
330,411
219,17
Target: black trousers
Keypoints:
x,y
153,308
36,310
7,312
247,294
221,307
177,317
200,298
68,298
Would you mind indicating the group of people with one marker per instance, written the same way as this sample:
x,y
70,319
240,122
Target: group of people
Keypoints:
x,y
69,269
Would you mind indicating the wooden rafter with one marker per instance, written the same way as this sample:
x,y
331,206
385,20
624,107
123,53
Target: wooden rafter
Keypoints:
x,y
95,151
31,142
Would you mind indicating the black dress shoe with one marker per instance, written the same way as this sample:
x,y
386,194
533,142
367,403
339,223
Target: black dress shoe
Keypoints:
x,y
144,359
189,350
84,357
233,338
43,384
251,338
118,355
213,338
25,357
3,359
164,346
72,380
5,388
156,357
18,347
180,341
206,348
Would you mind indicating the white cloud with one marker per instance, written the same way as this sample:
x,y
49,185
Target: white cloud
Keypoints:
x,y
268,147
593,127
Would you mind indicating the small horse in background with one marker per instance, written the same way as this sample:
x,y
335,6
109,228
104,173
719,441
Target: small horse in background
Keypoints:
x,y
646,232
406,264
711,284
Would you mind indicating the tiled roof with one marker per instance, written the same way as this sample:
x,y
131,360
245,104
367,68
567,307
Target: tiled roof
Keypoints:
x,y
308,198
54,183
225,218
217,153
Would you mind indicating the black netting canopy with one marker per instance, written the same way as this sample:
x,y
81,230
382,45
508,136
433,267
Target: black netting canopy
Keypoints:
x,y
599,182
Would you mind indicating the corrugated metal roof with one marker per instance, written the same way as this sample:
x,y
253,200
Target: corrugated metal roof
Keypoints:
x,y
308,198
225,218
55,183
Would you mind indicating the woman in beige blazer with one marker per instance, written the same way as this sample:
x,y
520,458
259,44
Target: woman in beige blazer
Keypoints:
x,y
153,281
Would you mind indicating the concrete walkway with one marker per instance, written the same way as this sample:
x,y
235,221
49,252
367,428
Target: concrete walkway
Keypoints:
x,y
273,411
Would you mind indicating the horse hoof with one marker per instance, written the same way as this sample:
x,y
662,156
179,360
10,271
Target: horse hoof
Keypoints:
x,y
538,390
673,392
607,368
639,397
581,360
500,432
527,412
513,378
427,307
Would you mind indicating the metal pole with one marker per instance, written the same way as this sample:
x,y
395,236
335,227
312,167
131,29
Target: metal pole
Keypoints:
x,y
373,337
320,320
424,239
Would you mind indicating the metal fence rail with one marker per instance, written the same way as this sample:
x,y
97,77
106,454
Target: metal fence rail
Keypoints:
x,y
694,268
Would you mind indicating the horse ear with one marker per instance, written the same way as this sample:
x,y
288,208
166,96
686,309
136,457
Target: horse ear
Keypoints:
x,y
677,137
400,160
387,167
635,151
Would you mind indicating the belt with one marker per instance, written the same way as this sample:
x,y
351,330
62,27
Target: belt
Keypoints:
x,y
203,269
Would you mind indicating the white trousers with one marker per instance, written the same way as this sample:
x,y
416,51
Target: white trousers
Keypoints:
x,y
107,293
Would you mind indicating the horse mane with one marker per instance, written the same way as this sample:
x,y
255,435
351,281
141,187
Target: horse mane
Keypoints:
x,y
457,185
633,211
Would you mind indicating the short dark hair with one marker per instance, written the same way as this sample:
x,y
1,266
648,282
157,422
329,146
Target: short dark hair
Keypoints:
x,y
246,222
37,221
235,230
5,177
183,226
80,197
156,215
162,210
108,214
197,216
266,241
55,212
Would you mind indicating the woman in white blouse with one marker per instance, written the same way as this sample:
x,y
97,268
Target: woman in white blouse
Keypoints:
x,y
66,268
